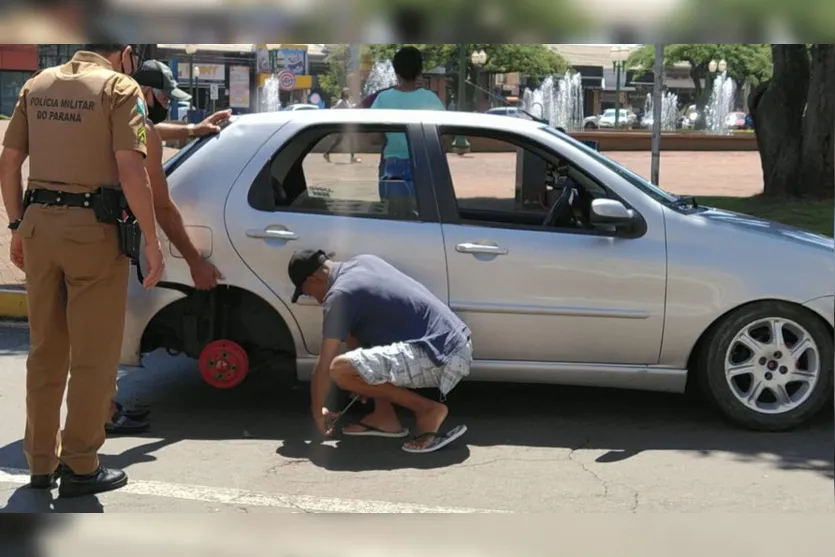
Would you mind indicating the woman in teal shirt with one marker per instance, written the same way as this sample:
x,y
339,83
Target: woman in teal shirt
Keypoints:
x,y
397,161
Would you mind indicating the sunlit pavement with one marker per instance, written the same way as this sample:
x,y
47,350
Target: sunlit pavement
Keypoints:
x,y
529,449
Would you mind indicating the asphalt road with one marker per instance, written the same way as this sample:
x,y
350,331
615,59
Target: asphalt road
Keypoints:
x,y
529,449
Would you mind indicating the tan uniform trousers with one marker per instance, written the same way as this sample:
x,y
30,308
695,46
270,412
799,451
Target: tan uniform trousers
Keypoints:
x,y
76,281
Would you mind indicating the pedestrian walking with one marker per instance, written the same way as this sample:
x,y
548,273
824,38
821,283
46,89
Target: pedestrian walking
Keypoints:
x,y
409,94
82,125
400,336
343,102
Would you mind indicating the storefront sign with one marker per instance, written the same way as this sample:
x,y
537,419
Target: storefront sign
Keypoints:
x,y
286,80
239,87
292,58
204,72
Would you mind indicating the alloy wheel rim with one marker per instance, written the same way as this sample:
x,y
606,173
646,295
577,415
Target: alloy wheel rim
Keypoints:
x,y
772,365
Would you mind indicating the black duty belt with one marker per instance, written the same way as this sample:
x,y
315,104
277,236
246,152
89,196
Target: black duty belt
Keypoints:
x,y
60,198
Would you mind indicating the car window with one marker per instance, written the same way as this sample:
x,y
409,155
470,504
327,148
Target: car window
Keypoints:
x,y
642,184
183,154
321,177
505,183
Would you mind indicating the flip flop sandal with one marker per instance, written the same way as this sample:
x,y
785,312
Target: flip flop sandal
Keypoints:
x,y
374,432
439,441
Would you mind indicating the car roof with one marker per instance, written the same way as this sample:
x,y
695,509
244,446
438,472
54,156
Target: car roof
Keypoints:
x,y
393,116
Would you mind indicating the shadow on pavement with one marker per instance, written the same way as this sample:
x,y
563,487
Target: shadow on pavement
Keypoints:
x,y
622,424
30,501
14,338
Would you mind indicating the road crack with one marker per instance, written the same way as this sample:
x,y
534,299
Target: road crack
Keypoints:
x,y
604,483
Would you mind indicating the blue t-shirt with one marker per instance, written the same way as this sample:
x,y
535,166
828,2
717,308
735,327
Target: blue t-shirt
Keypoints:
x,y
378,305
397,147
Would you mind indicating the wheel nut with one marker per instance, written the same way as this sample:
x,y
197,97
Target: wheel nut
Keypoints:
x,y
778,355
763,361
784,370
768,377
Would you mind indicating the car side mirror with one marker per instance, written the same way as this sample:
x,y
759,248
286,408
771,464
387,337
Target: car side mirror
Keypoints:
x,y
612,214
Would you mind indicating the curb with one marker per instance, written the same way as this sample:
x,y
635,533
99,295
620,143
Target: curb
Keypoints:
x,y
13,304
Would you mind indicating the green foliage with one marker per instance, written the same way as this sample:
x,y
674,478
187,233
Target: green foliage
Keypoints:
x,y
529,59
336,77
815,216
746,62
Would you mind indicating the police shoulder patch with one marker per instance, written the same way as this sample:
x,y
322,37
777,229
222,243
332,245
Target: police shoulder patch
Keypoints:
x,y
140,107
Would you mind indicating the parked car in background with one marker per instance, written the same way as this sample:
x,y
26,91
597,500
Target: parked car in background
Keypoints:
x,y
581,273
737,121
511,111
627,119
300,106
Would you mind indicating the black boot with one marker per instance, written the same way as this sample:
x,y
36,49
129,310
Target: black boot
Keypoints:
x,y
45,481
100,481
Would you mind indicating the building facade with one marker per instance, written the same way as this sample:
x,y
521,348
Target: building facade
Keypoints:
x,y
17,64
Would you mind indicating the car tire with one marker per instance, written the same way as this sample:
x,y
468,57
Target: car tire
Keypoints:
x,y
590,126
725,353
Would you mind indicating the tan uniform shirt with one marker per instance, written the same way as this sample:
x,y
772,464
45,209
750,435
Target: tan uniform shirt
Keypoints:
x,y
72,119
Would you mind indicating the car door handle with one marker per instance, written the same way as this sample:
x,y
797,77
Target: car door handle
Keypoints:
x,y
272,234
480,248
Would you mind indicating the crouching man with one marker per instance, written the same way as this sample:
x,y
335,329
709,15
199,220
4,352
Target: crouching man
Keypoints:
x,y
407,339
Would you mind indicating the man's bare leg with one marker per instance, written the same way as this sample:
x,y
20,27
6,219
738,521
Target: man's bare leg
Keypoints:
x,y
384,418
429,415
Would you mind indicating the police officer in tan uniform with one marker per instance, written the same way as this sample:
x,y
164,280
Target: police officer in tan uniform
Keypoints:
x,y
83,127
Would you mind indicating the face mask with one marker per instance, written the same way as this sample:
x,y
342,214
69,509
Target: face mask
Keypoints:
x,y
157,113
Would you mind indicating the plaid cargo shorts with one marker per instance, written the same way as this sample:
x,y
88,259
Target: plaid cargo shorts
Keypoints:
x,y
409,366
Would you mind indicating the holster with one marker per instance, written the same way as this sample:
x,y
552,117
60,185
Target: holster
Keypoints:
x,y
130,237
109,204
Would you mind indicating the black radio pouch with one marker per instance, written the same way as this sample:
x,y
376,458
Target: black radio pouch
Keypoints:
x,y
130,236
108,205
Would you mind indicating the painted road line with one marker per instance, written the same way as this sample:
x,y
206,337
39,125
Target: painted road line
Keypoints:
x,y
13,304
243,498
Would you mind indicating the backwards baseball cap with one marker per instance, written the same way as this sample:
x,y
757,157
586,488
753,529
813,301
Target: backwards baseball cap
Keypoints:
x,y
157,75
302,265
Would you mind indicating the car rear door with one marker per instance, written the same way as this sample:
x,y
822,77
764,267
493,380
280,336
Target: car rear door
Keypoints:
x,y
537,294
289,197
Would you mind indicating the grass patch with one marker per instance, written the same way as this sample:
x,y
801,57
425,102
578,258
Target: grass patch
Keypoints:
x,y
815,216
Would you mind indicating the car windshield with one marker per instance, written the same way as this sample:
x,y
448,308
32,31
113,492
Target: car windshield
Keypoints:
x,y
641,183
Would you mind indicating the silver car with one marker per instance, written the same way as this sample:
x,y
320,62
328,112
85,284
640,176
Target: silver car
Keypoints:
x,y
588,275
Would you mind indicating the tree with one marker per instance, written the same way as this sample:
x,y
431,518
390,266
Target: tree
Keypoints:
x,y
777,107
534,60
794,116
747,63
530,59
336,77
817,178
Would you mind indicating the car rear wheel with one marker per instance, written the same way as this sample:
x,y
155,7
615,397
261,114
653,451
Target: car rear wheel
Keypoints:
x,y
769,366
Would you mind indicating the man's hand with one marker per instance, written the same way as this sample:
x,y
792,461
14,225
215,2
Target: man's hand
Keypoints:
x,y
204,274
16,251
212,124
324,420
156,264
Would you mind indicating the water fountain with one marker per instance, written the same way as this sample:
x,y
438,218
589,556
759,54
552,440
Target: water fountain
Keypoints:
x,y
559,101
721,103
669,111
270,101
380,77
